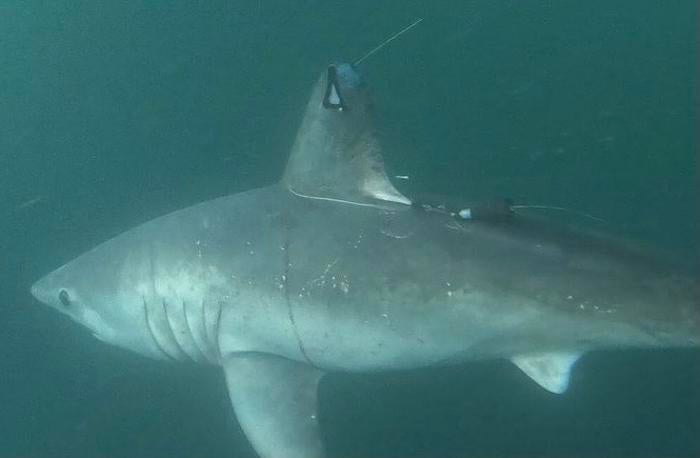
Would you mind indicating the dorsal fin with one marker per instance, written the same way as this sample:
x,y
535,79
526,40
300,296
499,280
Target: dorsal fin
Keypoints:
x,y
336,154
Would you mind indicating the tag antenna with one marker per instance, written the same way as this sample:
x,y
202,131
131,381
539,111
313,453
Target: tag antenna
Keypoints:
x,y
388,40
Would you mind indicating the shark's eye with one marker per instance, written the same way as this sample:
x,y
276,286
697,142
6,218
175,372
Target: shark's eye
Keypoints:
x,y
64,298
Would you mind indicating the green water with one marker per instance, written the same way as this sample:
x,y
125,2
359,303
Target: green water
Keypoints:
x,y
114,112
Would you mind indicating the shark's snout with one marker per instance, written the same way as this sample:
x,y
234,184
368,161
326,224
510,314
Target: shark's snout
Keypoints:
x,y
47,290
39,292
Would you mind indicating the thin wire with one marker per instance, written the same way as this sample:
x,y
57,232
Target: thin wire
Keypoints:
x,y
567,210
331,199
387,41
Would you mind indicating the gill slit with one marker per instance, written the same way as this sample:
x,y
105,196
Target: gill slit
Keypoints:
x,y
189,329
155,295
172,333
217,325
150,330
165,309
207,337
212,340
285,285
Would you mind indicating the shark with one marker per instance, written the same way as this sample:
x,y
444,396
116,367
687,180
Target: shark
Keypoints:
x,y
333,269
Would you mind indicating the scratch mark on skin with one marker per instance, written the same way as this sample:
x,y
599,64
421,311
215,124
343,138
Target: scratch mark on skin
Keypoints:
x,y
290,310
394,236
455,226
321,279
359,240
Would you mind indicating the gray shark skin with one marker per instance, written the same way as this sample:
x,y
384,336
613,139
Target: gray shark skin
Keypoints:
x,y
332,269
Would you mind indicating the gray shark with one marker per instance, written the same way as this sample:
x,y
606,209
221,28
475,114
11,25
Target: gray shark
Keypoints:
x,y
333,269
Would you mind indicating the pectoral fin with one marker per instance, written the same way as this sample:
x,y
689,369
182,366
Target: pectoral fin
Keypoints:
x,y
275,400
551,371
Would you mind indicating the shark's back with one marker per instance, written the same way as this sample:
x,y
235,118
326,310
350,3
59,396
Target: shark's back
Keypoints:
x,y
469,282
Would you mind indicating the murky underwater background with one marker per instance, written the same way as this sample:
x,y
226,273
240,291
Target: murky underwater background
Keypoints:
x,y
115,112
